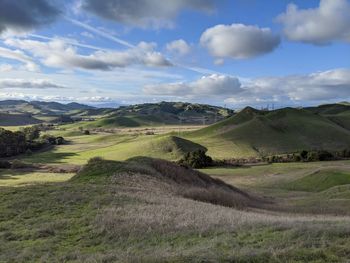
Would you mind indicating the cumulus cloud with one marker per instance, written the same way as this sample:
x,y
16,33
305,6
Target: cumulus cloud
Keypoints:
x,y
18,55
212,85
319,87
23,15
144,13
324,24
58,53
179,46
239,41
316,87
29,84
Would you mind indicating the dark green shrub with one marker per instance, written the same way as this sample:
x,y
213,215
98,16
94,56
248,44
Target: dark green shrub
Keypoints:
x,y
49,139
59,140
196,159
312,157
325,156
304,154
5,164
17,164
296,158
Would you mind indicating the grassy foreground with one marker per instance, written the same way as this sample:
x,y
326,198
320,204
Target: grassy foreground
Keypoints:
x,y
126,214
131,209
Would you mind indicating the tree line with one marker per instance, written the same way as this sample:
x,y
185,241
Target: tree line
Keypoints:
x,y
25,140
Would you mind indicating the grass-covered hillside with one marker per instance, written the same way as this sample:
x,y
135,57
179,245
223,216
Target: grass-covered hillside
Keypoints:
x,y
20,112
39,107
148,114
163,113
252,132
150,210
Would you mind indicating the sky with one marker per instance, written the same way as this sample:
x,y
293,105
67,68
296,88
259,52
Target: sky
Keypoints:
x,y
230,53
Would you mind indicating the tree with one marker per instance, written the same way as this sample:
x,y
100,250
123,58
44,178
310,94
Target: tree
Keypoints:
x,y
196,159
31,133
304,154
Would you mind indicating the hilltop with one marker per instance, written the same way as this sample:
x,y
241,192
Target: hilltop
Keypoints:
x,y
254,132
20,112
147,114
162,113
39,107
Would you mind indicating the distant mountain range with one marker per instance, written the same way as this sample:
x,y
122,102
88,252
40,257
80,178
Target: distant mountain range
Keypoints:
x,y
20,112
39,107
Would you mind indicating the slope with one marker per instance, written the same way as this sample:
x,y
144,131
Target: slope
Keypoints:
x,y
255,133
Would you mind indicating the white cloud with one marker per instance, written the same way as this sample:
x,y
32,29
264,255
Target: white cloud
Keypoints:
x,y
239,41
145,13
18,55
319,87
56,98
87,34
212,85
316,87
324,24
5,67
59,54
29,84
179,46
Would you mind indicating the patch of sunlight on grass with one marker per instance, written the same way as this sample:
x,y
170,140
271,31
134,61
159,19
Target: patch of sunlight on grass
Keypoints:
x,y
16,178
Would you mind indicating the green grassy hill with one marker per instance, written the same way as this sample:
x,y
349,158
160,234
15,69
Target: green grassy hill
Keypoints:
x,y
163,113
148,114
39,107
254,133
338,113
116,147
320,181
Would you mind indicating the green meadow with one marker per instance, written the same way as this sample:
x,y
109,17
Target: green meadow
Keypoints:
x,y
66,205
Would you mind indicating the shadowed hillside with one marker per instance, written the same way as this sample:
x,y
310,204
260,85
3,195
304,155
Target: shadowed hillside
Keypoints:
x,y
168,177
338,113
17,119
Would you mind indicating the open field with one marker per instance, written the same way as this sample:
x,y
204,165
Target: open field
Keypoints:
x,y
116,212
318,187
134,211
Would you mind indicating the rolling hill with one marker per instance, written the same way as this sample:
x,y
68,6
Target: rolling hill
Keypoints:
x,y
338,113
20,112
39,107
163,113
148,114
255,133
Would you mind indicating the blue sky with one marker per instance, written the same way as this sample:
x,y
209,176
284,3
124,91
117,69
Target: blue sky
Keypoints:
x,y
234,53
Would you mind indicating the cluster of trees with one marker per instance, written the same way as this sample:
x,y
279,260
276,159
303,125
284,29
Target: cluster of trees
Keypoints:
x,y
196,159
27,139
308,156
12,143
